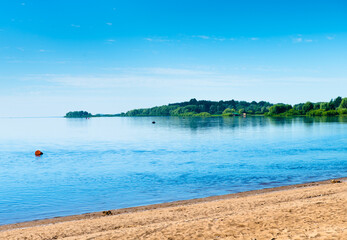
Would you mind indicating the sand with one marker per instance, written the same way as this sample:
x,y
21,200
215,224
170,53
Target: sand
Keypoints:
x,y
306,211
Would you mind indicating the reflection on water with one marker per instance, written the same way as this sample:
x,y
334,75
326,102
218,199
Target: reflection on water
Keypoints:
x,y
237,122
106,163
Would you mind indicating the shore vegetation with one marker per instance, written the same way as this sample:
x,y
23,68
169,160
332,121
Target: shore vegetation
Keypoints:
x,y
78,114
205,108
337,106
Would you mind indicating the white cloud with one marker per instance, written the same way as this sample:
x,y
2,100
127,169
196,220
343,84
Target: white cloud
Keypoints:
x,y
297,40
110,24
154,78
151,78
272,69
76,26
219,39
254,39
300,39
173,71
330,37
157,40
203,37
160,71
163,78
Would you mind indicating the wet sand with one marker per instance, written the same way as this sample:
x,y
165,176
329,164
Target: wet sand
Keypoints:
x,y
305,211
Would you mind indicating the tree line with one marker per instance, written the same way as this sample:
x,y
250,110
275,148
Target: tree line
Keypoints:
x,y
78,114
205,108
333,107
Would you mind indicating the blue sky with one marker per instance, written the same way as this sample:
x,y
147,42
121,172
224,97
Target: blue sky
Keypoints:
x,y
113,56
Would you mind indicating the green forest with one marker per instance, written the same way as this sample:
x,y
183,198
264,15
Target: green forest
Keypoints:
x,y
78,114
337,106
205,108
84,114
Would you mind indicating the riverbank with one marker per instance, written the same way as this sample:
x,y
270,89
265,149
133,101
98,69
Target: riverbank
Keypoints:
x,y
313,210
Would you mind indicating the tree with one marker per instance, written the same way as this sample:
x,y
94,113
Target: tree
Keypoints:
x,y
78,114
227,111
213,109
343,103
298,106
279,108
307,107
324,106
193,101
337,102
316,106
264,109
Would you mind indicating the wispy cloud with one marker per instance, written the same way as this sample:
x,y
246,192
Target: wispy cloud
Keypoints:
x,y
140,77
109,24
272,69
202,37
174,71
297,40
20,49
168,81
76,26
330,37
160,39
254,39
103,82
168,78
301,39
110,40
205,37
160,71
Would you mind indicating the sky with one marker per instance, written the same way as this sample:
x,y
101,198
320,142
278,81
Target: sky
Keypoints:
x,y
110,56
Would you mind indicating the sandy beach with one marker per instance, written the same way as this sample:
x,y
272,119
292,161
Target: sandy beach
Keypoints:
x,y
305,211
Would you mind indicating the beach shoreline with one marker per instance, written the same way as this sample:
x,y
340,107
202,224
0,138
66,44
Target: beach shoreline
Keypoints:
x,y
133,211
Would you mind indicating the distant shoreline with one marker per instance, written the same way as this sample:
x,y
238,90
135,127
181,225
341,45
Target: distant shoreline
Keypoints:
x,y
95,215
229,108
211,116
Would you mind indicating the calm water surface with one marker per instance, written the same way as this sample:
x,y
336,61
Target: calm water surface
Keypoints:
x,y
107,163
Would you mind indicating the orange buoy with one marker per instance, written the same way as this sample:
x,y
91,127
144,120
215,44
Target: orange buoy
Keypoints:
x,y
38,153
